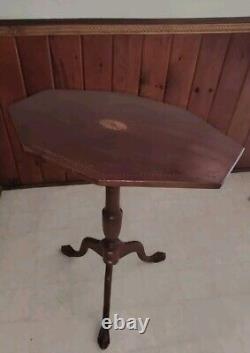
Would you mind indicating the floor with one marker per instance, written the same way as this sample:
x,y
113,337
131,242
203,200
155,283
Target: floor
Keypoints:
x,y
198,300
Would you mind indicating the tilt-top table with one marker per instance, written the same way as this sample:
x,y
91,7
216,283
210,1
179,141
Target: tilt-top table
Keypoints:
x,y
118,140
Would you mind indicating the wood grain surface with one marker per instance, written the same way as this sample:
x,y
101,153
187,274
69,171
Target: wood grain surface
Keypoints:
x,y
117,139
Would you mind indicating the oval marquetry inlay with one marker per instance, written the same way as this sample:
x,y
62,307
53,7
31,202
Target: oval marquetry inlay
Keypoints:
x,y
113,124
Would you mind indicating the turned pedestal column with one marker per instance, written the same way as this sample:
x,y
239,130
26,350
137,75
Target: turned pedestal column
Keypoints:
x,y
111,248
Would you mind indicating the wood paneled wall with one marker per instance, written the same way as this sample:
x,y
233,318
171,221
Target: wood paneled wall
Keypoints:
x,y
207,74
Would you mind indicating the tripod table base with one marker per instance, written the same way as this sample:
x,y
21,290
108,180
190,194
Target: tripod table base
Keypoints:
x,y
111,249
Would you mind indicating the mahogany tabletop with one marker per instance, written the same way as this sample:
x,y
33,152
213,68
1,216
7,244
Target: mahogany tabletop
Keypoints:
x,y
115,139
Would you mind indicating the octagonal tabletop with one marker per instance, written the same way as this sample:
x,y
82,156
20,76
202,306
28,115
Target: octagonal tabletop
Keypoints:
x,y
115,139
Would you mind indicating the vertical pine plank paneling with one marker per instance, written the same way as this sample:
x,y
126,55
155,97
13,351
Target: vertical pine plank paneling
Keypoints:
x,y
67,61
12,89
232,78
35,62
127,53
240,124
184,54
155,58
66,54
36,66
208,69
97,62
8,170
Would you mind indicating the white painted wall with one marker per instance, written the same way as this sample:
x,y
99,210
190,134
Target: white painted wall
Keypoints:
x,y
23,9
